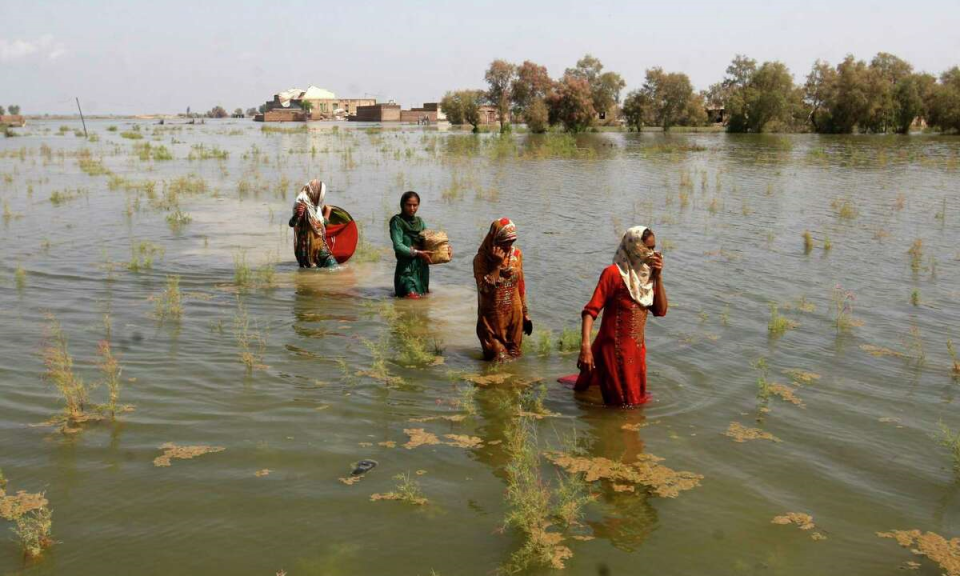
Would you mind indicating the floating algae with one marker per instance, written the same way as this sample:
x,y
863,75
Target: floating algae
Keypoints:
x,y
419,437
262,473
803,521
878,351
665,482
450,418
481,380
463,441
171,451
387,444
741,433
801,376
786,393
350,480
11,507
944,552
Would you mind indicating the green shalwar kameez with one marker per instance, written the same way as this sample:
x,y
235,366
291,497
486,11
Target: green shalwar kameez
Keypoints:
x,y
412,275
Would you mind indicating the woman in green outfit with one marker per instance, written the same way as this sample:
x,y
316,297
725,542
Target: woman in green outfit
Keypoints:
x,y
412,276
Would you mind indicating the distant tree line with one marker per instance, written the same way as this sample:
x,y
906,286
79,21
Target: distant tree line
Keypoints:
x,y
14,109
885,95
584,95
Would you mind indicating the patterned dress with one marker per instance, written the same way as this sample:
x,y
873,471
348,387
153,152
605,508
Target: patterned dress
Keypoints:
x,y
502,298
619,351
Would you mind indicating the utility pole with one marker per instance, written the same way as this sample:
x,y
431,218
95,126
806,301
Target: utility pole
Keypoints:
x,y
81,118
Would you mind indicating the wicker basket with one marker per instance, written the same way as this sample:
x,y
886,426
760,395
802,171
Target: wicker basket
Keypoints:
x,y
437,244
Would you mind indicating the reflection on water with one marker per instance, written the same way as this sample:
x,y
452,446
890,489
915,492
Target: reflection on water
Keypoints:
x,y
345,367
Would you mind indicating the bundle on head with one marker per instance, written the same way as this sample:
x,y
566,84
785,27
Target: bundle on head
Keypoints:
x,y
436,243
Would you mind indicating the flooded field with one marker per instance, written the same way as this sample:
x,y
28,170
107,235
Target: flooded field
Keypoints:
x,y
805,382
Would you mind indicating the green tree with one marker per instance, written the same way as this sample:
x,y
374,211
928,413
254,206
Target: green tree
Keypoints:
x,y
531,83
451,106
908,103
668,97
307,106
2,111
537,116
818,93
238,113
217,112
14,109
571,104
251,111
262,109
944,102
759,96
470,101
636,109
605,87
500,76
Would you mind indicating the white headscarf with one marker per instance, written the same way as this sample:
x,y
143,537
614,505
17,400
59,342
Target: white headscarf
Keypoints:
x,y
631,260
311,196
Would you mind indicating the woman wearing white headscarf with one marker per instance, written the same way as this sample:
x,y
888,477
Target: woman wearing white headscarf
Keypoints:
x,y
309,221
627,290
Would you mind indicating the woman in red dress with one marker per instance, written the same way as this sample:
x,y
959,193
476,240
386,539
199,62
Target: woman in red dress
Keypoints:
x,y
627,290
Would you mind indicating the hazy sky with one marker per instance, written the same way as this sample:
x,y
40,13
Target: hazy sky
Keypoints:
x,y
162,56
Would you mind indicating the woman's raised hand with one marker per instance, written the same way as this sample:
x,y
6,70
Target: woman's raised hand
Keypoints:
x,y
655,263
499,255
301,208
425,256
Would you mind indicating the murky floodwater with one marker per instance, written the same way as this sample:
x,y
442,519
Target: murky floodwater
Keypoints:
x,y
857,453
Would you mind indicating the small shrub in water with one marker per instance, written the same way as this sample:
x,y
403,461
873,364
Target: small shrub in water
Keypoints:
x,y
33,531
951,441
778,323
913,343
251,343
916,255
111,370
569,341
544,342
844,208
807,242
915,297
843,308
532,508
954,359
59,365
143,254
242,275
169,303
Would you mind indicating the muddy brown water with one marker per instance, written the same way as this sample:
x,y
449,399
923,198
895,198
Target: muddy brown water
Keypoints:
x,y
729,212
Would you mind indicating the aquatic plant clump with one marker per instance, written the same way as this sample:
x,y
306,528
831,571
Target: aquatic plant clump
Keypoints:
x,y
407,490
946,553
172,451
169,304
661,480
532,508
59,365
741,433
778,323
33,531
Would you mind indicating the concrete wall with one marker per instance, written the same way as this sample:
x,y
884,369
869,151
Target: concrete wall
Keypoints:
x,y
378,113
325,108
283,115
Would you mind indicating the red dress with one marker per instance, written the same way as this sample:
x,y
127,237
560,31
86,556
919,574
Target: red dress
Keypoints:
x,y
619,352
